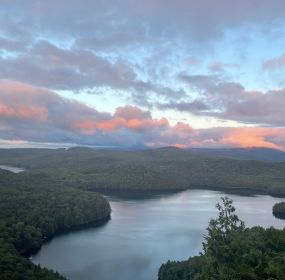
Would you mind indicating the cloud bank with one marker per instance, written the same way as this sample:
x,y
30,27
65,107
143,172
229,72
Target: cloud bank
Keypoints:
x,y
38,115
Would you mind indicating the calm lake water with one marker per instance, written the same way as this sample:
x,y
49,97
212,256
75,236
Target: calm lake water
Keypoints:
x,y
144,233
12,169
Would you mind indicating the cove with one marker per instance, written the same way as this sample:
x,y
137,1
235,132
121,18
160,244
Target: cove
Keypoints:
x,y
144,232
12,169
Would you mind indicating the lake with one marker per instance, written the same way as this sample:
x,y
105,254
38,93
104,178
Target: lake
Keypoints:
x,y
12,168
145,232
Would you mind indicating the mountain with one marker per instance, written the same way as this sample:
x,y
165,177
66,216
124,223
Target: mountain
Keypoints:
x,y
262,154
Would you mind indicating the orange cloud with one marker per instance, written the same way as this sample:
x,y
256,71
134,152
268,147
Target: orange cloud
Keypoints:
x,y
248,137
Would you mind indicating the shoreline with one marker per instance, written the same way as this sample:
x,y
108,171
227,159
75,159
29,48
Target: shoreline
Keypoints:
x,y
12,169
156,191
29,255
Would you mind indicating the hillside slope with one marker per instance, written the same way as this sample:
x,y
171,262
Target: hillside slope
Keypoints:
x,y
159,169
261,154
33,209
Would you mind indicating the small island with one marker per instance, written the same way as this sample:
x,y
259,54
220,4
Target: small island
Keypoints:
x,y
279,210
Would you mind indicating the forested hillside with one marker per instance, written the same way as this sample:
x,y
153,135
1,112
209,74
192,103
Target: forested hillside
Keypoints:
x,y
262,154
34,208
160,169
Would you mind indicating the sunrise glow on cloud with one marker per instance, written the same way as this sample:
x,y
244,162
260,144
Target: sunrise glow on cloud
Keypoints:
x,y
143,73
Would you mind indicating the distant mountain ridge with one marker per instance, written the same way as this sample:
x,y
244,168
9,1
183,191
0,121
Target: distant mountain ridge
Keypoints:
x,y
261,154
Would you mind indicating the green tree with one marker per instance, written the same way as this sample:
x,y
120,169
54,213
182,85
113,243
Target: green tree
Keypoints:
x,y
217,246
220,228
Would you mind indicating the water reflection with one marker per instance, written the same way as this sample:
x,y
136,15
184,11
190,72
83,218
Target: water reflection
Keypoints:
x,y
145,232
12,169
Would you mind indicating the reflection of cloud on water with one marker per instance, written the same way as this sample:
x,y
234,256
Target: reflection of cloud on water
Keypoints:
x,y
12,169
118,269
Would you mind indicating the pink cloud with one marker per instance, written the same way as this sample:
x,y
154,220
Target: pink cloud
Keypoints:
x,y
274,63
18,101
128,117
131,112
37,113
245,137
183,136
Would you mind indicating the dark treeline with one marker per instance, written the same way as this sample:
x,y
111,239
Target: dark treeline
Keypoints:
x,y
231,251
279,210
160,169
34,208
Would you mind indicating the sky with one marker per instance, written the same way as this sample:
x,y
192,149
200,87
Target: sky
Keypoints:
x,y
142,73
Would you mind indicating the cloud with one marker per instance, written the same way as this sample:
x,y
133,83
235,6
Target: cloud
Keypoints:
x,y
32,114
128,117
11,45
134,50
147,18
38,113
244,137
274,63
194,107
231,101
200,82
110,46
48,66
218,66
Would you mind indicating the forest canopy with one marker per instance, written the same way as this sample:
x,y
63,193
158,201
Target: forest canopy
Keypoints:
x,y
167,169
